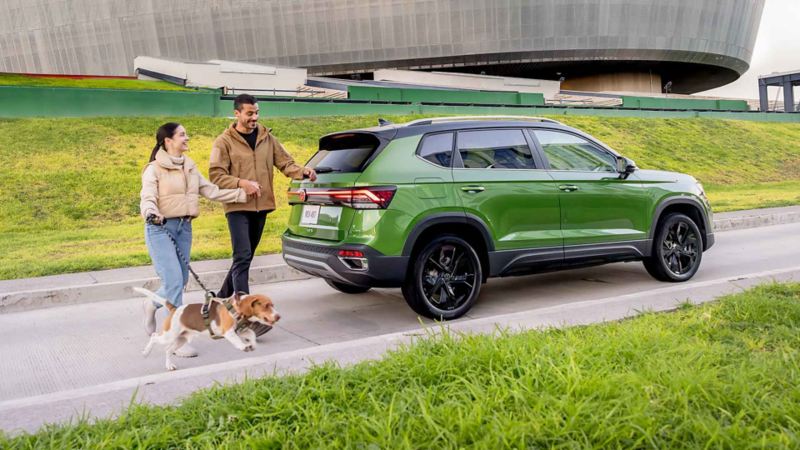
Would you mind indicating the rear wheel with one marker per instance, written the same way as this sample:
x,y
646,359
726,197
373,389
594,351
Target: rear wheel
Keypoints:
x,y
444,280
677,249
347,288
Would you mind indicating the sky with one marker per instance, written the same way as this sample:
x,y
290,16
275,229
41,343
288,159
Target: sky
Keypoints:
x,y
777,49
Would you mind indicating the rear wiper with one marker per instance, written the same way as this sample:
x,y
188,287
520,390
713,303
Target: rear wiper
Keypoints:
x,y
324,169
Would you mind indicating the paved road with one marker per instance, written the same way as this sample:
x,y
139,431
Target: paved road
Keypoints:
x,y
81,353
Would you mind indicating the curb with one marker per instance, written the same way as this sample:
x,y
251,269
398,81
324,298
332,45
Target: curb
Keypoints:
x,y
755,220
27,300
97,292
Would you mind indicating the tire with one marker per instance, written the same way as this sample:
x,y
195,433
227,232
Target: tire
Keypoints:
x,y
677,249
445,266
347,288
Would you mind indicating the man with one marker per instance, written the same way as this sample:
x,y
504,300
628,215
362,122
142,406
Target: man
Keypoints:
x,y
244,156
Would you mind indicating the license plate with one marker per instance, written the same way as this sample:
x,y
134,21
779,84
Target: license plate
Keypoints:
x,y
309,215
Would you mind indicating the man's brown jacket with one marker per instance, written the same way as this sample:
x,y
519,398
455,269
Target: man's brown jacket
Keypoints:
x,y
232,160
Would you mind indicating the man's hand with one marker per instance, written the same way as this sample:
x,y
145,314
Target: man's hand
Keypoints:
x,y
250,187
309,173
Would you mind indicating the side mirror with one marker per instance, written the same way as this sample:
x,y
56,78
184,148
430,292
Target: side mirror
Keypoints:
x,y
625,166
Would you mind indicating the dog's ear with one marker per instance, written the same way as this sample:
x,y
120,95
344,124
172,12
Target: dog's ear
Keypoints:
x,y
244,304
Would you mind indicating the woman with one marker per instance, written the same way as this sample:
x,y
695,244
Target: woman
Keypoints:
x,y
171,187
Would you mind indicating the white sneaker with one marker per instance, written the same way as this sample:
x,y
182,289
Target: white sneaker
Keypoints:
x,y
186,351
149,316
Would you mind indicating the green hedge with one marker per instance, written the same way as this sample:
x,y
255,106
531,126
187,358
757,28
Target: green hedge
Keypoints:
x,y
24,101
684,103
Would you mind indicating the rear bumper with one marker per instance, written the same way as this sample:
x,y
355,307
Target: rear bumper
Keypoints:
x,y
322,260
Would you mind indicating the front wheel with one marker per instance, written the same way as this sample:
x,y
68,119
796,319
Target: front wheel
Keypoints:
x,y
677,249
347,288
444,280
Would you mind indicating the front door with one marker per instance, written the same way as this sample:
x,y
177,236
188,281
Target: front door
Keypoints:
x,y
597,206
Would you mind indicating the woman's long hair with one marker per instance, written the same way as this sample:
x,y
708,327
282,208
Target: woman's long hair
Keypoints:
x,y
164,131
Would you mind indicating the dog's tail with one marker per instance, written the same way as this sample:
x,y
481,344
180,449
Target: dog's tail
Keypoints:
x,y
152,295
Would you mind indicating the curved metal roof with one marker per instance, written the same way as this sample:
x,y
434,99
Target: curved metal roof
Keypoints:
x,y
699,42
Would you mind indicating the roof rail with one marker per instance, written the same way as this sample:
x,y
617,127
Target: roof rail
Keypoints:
x,y
434,120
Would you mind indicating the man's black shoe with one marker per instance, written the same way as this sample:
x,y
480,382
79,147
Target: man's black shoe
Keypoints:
x,y
259,328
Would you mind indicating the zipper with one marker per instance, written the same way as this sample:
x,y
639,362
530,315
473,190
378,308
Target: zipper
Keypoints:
x,y
185,191
255,172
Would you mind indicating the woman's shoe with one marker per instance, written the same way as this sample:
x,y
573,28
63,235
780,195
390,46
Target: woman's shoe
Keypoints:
x,y
149,316
186,351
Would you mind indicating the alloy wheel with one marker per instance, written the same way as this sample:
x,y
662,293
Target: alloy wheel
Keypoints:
x,y
448,277
680,248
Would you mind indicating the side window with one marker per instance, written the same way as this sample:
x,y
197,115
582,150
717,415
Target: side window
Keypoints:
x,y
495,149
566,151
437,148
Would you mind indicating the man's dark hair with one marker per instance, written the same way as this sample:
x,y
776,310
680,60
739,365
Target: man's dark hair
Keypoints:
x,y
243,99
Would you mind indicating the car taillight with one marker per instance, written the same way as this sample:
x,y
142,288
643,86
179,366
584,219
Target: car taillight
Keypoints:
x,y
377,197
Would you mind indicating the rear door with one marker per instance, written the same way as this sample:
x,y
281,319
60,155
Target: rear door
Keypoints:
x,y
339,162
502,182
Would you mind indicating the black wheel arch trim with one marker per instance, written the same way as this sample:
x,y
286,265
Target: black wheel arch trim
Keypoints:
x,y
689,201
454,218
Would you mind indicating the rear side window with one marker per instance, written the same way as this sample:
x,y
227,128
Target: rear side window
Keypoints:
x,y
495,149
343,153
437,148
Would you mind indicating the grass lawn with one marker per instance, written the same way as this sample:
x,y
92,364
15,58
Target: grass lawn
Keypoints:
x,y
720,375
748,196
9,79
69,187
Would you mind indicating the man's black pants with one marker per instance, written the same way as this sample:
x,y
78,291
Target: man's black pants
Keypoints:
x,y
246,228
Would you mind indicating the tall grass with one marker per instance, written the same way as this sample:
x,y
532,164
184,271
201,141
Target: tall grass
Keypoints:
x,y
8,79
722,375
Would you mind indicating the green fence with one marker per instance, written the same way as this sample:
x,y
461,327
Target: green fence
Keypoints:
x,y
443,96
71,102
315,109
683,103
19,101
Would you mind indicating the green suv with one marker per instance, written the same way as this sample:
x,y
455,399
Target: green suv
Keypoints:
x,y
438,206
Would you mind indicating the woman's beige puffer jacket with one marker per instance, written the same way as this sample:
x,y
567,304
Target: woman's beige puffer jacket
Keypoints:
x,y
171,187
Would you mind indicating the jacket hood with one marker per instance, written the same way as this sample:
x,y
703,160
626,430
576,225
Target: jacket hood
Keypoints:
x,y
262,131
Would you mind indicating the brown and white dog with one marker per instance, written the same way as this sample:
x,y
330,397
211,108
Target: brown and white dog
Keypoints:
x,y
186,322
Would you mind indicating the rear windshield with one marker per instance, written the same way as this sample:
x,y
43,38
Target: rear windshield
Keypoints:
x,y
342,153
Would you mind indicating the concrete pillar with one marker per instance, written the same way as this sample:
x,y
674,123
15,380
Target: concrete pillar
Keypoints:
x,y
788,96
623,81
763,97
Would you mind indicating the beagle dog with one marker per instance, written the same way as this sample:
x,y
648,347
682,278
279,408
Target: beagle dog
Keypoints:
x,y
186,322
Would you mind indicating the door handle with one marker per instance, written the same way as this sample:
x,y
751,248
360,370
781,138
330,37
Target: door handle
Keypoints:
x,y
568,187
473,189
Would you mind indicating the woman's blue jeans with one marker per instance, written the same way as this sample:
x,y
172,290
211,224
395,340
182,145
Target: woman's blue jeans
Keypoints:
x,y
170,267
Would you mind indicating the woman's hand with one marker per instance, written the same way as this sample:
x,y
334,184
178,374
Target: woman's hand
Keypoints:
x,y
250,187
155,219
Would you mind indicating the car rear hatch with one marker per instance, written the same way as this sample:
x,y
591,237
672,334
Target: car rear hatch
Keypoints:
x,y
324,209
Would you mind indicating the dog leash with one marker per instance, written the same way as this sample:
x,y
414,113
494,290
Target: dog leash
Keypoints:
x,y
209,293
205,310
